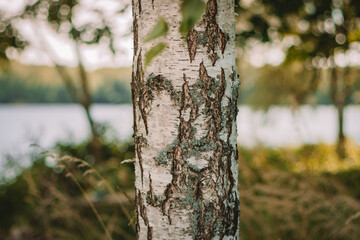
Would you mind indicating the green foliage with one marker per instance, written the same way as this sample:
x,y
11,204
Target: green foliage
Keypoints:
x,y
160,29
12,203
321,26
57,13
9,38
112,92
15,89
153,52
290,84
192,11
61,12
45,202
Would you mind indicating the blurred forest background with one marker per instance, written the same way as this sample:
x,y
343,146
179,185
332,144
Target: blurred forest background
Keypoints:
x,y
63,61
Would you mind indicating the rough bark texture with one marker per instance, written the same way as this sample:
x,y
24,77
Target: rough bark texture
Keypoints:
x,y
185,107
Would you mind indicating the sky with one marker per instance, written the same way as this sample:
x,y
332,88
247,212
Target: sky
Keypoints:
x,y
46,46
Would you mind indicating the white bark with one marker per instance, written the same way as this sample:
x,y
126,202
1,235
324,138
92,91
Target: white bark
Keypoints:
x,y
185,124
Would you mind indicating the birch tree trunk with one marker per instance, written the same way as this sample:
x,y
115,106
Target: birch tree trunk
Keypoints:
x,y
185,108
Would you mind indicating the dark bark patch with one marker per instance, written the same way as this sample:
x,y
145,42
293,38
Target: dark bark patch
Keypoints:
x,y
149,233
213,57
140,9
137,89
158,83
152,200
235,220
187,103
213,35
136,34
139,141
166,205
177,167
143,95
137,216
192,43
229,120
224,38
142,209
205,78
211,11
133,99
220,92
212,27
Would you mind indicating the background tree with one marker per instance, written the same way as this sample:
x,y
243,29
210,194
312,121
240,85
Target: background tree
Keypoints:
x,y
61,16
185,107
315,33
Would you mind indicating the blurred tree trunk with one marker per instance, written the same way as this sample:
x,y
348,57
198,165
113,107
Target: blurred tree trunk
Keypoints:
x,y
185,108
82,97
336,99
340,88
86,102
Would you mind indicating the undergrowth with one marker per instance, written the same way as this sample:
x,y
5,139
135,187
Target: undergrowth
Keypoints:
x,y
289,193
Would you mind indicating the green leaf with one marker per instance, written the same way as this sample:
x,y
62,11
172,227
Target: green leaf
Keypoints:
x,y
153,52
160,29
191,10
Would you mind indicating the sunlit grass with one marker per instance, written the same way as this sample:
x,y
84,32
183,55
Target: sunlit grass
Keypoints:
x,y
324,158
314,158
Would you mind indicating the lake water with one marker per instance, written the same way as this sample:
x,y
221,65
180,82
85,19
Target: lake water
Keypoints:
x,y
44,124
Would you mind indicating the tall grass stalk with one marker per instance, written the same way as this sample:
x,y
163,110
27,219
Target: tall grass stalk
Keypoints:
x,y
92,206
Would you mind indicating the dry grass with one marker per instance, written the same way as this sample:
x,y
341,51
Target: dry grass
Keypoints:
x,y
79,203
279,204
285,194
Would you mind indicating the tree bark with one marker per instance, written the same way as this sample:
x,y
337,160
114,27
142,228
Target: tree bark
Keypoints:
x,y
185,108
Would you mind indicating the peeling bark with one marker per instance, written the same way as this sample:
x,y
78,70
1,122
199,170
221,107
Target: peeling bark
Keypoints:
x,y
185,125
